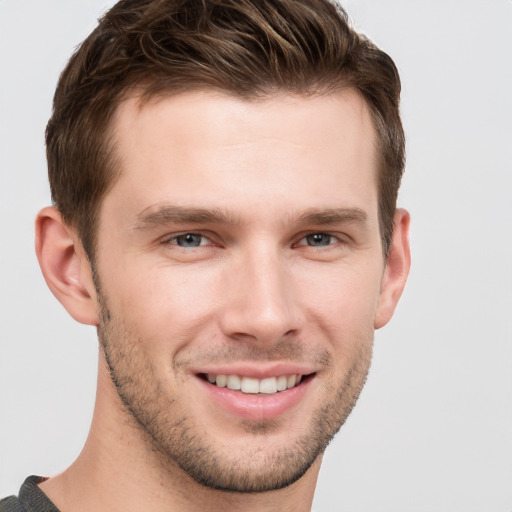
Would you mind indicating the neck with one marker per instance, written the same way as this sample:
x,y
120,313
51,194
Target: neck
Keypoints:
x,y
118,470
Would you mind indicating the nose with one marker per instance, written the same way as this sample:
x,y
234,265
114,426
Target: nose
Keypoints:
x,y
260,301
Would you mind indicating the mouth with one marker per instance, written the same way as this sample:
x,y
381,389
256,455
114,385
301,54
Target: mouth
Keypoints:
x,y
255,386
258,392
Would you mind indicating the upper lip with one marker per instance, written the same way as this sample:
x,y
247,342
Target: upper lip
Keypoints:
x,y
258,370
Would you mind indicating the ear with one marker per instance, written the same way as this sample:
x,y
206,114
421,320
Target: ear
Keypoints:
x,y
396,271
65,266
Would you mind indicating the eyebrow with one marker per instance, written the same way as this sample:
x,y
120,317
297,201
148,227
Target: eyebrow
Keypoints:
x,y
164,214
331,216
152,216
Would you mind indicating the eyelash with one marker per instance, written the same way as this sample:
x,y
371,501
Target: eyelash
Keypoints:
x,y
173,239
333,239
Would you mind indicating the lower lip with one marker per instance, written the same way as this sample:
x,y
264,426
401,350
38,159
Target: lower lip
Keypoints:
x,y
256,407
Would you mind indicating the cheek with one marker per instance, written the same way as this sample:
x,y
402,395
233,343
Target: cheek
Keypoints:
x,y
161,303
349,289
343,303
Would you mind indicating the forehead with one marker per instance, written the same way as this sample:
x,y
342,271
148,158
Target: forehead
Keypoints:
x,y
189,117
212,149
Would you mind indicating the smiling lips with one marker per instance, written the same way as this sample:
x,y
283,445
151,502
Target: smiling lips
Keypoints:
x,y
250,385
243,394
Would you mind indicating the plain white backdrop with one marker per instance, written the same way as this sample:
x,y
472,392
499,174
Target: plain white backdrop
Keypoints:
x,y
432,431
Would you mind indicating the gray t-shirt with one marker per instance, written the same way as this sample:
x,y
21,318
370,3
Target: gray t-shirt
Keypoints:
x,y
30,498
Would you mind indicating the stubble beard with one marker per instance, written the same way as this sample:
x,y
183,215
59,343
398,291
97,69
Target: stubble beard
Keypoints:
x,y
179,442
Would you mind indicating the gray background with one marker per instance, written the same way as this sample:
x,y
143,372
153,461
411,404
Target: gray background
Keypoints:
x,y
433,429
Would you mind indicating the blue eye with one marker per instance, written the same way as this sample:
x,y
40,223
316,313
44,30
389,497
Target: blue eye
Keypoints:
x,y
318,240
188,240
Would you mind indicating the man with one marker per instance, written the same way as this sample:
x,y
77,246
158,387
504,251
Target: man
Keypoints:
x,y
224,178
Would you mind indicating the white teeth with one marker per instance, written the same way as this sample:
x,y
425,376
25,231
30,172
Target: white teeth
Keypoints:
x,y
234,382
267,386
282,383
250,385
221,381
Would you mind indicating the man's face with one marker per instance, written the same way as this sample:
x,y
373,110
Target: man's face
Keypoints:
x,y
240,247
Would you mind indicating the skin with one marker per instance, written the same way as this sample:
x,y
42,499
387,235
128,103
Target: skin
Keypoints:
x,y
288,270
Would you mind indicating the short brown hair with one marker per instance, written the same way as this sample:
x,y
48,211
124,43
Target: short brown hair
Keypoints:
x,y
249,48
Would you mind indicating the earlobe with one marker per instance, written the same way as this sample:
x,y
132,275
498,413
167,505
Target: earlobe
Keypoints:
x,y
65,266
396,271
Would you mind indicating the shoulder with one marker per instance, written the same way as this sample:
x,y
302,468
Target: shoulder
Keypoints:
x,y
11,504
30,499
